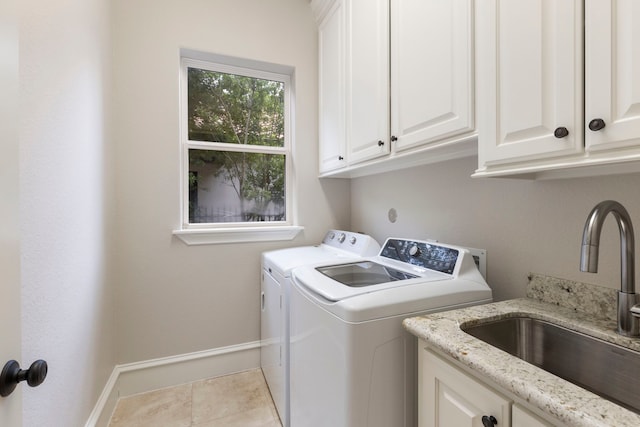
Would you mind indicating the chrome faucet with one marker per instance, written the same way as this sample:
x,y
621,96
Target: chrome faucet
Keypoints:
x,y
628,300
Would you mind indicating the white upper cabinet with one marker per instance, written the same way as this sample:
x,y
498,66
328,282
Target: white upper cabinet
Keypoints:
x,y
408,84
612,72
432,79
530,69
367,80
560,94
332,131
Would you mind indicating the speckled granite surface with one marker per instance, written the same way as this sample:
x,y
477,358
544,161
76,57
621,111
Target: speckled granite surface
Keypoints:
x,y
593,300
582,307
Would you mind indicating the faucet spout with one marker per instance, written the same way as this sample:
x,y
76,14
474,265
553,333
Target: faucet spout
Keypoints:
x,y
628,324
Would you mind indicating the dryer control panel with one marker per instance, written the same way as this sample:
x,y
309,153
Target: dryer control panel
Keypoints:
x,y
422,254
355,243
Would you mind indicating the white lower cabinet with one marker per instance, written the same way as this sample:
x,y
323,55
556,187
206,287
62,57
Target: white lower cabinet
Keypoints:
x,y
448,397
520,417
451,398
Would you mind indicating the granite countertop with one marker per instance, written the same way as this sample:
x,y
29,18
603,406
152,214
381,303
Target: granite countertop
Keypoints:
x,y
585,308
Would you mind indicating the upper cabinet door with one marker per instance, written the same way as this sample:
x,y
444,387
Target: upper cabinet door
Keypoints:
x,y
530,79
432,73
612,73
367,85
332,133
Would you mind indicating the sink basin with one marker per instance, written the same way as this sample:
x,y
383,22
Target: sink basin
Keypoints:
x,y
609,370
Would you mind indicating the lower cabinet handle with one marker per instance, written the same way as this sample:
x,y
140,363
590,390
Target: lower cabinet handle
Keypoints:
x,y
561,132
489,421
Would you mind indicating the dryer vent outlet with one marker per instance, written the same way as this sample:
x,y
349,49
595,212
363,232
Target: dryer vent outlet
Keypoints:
x,y
392,215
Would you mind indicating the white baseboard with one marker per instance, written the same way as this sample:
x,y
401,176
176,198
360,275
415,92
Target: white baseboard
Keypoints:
x,y
140,377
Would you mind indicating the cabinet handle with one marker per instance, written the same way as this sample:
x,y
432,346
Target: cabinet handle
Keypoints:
x,y
394,138
340,158
380,143
597,124
561,132
489,421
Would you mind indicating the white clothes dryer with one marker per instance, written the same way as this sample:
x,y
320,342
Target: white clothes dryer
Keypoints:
x,y
337,246
352,362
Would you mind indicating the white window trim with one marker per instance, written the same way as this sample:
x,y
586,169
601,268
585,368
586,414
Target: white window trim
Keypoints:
x,y
205,234
237,235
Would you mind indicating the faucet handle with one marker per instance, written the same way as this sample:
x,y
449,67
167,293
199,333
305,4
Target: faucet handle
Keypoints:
x,y
635,311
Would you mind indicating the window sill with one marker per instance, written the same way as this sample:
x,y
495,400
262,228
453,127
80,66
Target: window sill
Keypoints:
x,y
237,235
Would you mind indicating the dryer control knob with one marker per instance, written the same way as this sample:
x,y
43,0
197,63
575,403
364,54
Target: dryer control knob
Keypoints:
x,y
414,251
341,237
353,240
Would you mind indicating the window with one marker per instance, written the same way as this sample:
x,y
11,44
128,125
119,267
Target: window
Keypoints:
x,y
236,150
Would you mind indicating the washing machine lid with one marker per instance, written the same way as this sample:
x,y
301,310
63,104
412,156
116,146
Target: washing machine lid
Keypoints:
x,y
370,275
401,262
364,273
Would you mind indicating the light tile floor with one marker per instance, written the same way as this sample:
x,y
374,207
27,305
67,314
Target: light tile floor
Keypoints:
x,y
238,400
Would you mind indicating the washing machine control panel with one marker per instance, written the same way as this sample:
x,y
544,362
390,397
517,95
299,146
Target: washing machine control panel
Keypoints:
x,y
422,254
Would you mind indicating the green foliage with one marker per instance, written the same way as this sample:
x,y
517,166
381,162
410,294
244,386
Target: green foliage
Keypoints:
x,y
236,109
259,177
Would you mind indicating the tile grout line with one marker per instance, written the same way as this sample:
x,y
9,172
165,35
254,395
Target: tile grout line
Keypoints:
x,y
191,423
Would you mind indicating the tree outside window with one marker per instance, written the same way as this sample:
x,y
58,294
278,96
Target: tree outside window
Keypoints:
x,y
236,146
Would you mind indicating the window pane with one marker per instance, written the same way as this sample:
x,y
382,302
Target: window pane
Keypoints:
x,y
235,109
227,186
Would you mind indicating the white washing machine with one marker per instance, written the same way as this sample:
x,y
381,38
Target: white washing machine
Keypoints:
x,y
337,246
352,362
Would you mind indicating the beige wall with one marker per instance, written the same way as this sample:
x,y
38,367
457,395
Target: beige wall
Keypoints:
x,y
171,298
10,332
526,226
65,207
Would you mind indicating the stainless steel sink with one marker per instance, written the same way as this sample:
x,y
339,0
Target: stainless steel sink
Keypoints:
x,y
606,369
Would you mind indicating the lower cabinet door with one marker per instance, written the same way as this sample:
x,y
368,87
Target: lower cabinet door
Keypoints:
x,y
523,418
449,397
